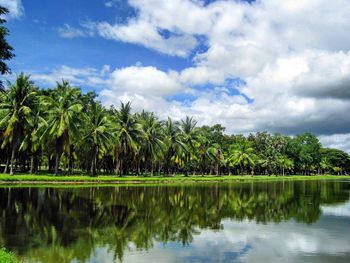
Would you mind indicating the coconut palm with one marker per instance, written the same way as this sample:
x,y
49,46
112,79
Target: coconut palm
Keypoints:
x,y
325,164
63,115
98,133
216,156
176,149
128,134
241,154
16,112
152,146
31,141
285,163
189,136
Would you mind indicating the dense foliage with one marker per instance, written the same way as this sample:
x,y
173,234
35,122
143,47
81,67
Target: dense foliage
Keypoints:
x,y
63,131
7,257
6,51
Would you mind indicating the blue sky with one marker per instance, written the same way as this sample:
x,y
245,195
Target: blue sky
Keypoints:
x,y
39,46
279,66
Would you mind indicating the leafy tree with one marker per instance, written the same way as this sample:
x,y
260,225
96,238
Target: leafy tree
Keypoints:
x,y
241,154
285,163
309,151
152,143
63,115
189,137
6,51
176,149
98,134
16,111
128,134
333,158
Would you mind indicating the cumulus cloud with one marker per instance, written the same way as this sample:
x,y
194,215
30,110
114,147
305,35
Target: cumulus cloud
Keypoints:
x,y
143,33
292,55
337,141
144,80
14,6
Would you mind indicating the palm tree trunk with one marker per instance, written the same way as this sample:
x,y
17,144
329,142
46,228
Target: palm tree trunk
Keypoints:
x,y
59,146
31,164
7,165
94,162
13,151
57,162
117,167
70,162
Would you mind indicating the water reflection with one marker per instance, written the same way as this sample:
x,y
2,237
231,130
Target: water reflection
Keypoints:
x,y
248,222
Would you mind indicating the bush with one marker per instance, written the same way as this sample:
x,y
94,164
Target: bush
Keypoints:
x,y
7,257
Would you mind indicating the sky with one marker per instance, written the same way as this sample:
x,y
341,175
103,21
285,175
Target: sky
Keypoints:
x,y
264,65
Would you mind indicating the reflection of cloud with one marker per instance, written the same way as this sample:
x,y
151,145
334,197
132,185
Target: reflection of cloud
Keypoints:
x,y
248,241
339,210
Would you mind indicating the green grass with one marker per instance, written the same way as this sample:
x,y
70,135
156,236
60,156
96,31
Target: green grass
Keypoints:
x,y
104,179
7,257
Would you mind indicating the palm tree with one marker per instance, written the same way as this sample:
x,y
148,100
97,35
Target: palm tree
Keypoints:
x,y
189,136
285,163
215,154
241,154
32,140
98,133
176,149
152,146
15,112
325,164
128,134
64,110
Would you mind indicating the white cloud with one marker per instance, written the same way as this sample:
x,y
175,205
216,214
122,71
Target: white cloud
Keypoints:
x,y
143,33
68,31
111,3
144,81
293,56
337,141
77,76
14,6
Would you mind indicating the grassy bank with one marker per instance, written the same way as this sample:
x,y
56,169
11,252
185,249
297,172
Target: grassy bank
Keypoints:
x,y
7,257
103,179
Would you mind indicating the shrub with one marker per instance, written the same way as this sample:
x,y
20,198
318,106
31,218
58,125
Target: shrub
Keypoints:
x,y
7,257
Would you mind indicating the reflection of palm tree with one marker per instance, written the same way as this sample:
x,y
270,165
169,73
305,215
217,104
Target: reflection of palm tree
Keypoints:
x,y
74,222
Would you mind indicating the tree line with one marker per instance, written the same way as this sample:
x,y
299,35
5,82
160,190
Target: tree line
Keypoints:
x,y
64,131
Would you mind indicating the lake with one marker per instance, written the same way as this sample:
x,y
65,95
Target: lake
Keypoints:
x,y
282,221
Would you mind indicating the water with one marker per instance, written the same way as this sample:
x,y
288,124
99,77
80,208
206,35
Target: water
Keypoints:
x,y
244,222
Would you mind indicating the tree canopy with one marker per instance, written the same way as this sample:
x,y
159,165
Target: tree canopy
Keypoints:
x,y
62,130
6,51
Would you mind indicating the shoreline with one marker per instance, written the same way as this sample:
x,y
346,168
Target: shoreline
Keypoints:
x,y
76,180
